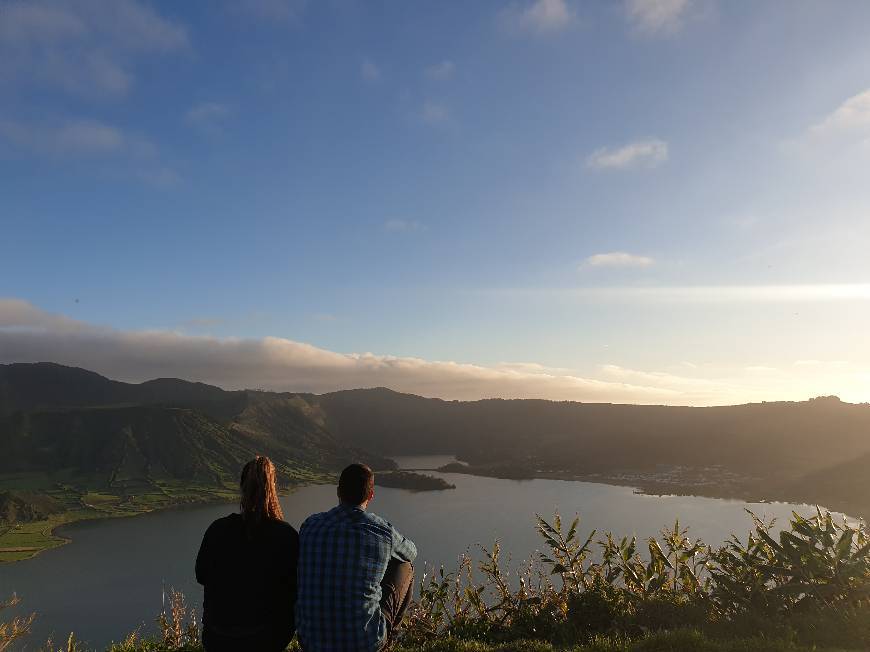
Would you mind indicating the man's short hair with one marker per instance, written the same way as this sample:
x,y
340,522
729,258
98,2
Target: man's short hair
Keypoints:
x,y
357,481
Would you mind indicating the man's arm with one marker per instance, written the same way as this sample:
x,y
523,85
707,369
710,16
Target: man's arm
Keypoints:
x,y
403,548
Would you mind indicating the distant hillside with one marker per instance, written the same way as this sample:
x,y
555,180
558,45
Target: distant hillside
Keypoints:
x,y
55,418
61,419
764,450
23,507
26,387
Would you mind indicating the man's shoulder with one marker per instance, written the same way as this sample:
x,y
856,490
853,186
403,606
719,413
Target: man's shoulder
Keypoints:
x,y
377,526
373,518
313,520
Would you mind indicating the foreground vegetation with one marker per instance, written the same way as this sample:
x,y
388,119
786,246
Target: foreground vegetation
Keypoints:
x,y
807,588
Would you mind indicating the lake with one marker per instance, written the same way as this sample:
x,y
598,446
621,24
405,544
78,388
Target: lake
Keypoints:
x,y
109,580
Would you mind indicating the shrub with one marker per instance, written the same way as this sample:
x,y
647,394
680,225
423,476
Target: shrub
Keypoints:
x,y
812,585
14,629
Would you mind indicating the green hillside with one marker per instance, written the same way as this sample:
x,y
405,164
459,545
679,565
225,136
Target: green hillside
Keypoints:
x,y
91,447
96,446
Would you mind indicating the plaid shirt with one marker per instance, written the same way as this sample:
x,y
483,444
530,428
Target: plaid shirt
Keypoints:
x,y
343,555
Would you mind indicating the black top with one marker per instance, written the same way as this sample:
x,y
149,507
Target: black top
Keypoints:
x,y
249,578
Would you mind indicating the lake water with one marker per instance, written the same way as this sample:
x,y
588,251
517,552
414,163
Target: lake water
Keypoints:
x,y
108,581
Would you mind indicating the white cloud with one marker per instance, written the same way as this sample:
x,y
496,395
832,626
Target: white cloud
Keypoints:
x,y
851,117
72,138
271,10
403,226
619,259
657,16
28,334
208,117
160,176
441,71
90,140
823,365
644,153
369,71
538,17
809,293
434,113
89,137
80,46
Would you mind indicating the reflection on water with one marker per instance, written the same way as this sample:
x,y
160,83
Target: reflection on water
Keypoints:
x,y
108,581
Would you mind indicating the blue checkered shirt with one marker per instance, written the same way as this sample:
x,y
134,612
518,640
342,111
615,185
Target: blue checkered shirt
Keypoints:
x,y
343,556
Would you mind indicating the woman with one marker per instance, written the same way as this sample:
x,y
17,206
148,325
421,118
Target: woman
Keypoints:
x,y
247,564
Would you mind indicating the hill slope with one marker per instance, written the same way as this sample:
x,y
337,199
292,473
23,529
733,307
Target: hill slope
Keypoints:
x,y
54,418
74,444
102,434
782,450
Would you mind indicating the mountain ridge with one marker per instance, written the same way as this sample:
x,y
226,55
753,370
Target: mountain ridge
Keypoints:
x,y
769,450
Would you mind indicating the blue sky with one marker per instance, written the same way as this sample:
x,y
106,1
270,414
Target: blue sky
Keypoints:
x,y
650,200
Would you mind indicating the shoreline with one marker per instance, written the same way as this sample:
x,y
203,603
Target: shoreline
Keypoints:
x,y
60,537
664,489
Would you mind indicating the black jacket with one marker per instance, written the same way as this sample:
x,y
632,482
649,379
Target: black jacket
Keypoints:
x,y
249,578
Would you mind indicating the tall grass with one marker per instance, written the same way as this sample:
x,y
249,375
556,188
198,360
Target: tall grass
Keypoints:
x,y
811,584
14,629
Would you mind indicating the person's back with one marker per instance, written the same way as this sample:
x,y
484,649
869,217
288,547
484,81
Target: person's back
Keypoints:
x,y
355,573
247,565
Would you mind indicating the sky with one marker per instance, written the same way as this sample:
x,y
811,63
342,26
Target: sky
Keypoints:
x,y
644,201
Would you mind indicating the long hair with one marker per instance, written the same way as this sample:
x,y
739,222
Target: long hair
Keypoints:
x,y
259,498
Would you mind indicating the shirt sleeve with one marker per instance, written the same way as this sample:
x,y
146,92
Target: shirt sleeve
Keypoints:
x,y
403,548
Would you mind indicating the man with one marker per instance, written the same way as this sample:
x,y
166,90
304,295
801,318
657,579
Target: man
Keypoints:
x,y
355,573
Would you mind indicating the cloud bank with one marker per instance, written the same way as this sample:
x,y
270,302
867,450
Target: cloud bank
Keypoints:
x,y
29,334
